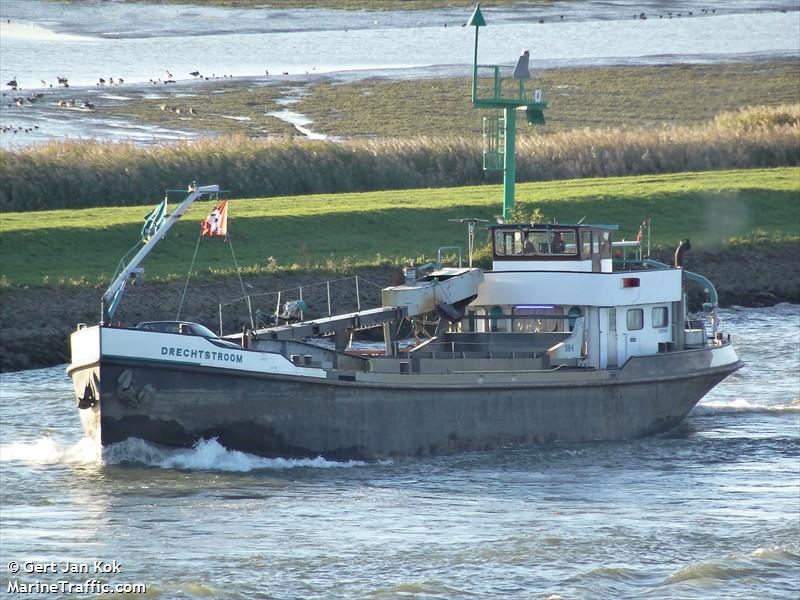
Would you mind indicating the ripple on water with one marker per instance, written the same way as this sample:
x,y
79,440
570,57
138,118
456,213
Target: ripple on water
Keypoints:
x,y
773,568
707,511
778,555
46,450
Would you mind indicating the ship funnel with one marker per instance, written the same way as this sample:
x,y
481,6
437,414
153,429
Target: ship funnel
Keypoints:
x,y
682,249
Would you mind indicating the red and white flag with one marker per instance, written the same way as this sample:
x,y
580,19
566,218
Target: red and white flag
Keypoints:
x,y
216,224
642,228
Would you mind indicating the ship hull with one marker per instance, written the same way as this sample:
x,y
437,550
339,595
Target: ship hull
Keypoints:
x,y
373,416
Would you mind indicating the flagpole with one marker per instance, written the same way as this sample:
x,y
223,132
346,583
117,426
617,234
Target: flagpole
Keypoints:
x,y
188,275
239,273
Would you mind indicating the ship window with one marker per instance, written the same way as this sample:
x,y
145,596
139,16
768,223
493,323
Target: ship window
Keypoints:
x,y
563,242
635,319
660,317
573,315
531,243
605,246
507,243
586,242
544,242
495,323
540,324
177,327
538,242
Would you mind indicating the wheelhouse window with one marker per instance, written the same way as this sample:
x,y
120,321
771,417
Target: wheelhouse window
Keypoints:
x,y
586,244
535,242
507,242
635,319
660,317
562,241
605,245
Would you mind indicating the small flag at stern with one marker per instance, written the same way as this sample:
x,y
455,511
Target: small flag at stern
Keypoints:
x,y
216,224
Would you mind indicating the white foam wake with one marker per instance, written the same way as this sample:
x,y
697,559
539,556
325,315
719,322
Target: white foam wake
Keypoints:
x,y
209,455
206,455
740,405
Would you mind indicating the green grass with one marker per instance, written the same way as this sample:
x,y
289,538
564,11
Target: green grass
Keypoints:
x,y
82,247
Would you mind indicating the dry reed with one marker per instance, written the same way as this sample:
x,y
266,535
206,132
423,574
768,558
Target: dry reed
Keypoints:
x,y
80,174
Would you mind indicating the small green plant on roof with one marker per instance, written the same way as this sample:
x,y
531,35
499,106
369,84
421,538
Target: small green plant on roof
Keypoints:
x,y
482,257
524,213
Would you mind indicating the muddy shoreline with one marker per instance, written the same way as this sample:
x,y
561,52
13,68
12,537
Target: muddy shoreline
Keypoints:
x,y
35,323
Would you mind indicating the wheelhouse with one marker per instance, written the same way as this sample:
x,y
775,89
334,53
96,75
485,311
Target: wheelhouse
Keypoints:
x,y
552,247
558,282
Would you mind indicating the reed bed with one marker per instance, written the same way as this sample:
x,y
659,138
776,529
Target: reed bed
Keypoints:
x,y
79,174
746,138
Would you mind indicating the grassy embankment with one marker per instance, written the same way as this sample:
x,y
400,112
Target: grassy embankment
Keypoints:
x,y
337,232
594,97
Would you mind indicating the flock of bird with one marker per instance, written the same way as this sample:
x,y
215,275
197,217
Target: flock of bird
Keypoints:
x,y
642,16
63,82
36,96
20,100
15,129
60,81
196,74
112,81
178,110
85,105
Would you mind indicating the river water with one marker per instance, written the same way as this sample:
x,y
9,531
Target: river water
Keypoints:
x,y
710,510
41,40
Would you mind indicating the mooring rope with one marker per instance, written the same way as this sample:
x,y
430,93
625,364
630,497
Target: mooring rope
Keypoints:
x,y
239,273
121,264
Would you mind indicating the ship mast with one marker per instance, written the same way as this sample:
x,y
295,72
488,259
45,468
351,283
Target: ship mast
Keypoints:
x,y
114,293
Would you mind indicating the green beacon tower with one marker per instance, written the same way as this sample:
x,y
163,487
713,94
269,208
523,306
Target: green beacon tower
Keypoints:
x,y
510,89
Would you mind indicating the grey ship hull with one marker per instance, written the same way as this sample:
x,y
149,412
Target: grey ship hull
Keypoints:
x,y
382,415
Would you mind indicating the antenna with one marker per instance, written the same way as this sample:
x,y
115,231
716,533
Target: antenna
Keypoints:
x,y
470,221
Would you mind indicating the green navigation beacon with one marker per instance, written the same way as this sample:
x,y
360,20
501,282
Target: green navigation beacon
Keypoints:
x,y
510,89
